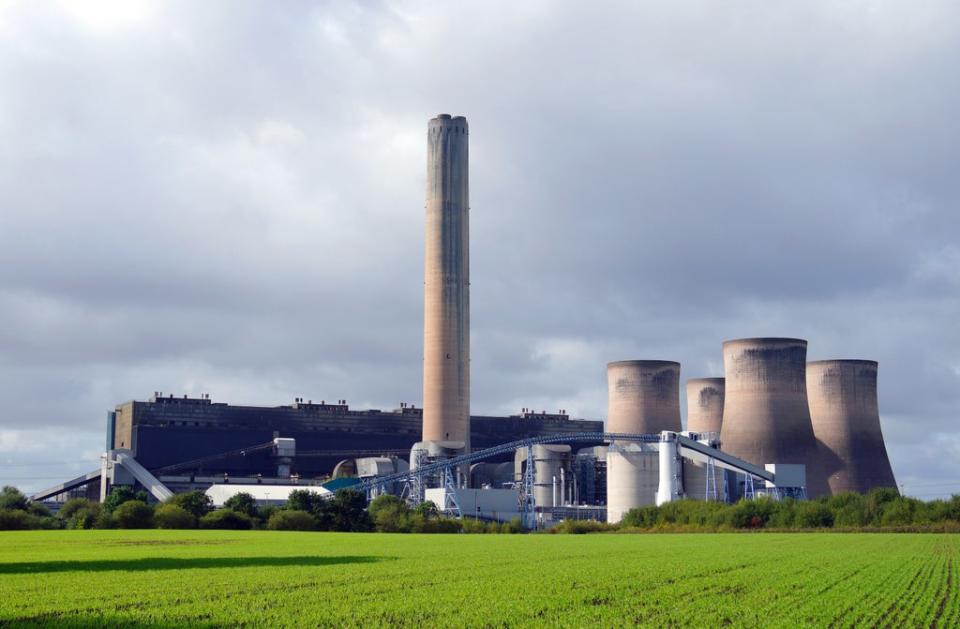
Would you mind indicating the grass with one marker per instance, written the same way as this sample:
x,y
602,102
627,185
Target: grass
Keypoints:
x,y
259,578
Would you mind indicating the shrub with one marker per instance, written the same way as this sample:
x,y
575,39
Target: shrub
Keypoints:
x,y
18,520
580,527
640,517
133,514
286,520
85,518
438,525
39,509
810,515
103,520
171,516
226,519
119,495
196,502
304,500
390,514
242,503
70,507
427,510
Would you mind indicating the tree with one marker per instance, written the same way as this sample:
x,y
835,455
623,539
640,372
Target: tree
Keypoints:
x,y
133,514
119,495
285,520
171,516
347,511
427,510
13,498
242,503
389,514
226,519
196,502
304,500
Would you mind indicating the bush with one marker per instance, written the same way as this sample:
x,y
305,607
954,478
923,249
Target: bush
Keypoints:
x,y
103,520
133,514
811,515
304,500
39,509
242,503
437,525
172,516
70,507
286,520
640,517
85,518
390,514
226,519
196,502
580,527
18,520
13,498
119,495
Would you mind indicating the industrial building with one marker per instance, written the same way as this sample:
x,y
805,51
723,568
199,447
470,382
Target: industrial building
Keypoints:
x,y
772,425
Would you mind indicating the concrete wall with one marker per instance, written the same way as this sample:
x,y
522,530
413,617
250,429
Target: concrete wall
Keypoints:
x,y
765,414
643,396
705,404
446,325
846,423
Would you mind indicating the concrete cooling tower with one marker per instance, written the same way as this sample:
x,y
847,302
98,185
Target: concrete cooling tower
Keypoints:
x,y
765,414
644,398
446,316
846,422
705,404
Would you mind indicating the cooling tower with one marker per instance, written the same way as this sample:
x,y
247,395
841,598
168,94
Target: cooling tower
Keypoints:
x,y
446,316
765,414
705,404
643,396
846,422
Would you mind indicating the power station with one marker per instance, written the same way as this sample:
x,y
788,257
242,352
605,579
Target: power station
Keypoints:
x,y
773,425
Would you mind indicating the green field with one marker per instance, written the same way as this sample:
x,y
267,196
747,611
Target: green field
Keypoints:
x,y
259,578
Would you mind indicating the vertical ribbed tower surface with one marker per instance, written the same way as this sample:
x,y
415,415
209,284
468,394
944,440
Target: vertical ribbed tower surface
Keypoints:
x,y
643,396
446,315
705,404
766,418
846,422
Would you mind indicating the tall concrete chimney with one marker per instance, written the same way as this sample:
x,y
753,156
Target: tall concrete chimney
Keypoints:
x,y
705,404
446,314
644,396
846,422
765,414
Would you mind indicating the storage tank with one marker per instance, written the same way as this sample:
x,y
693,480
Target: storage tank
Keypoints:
x,y
643,396
705,404
550,471
766,418
846,422
632,478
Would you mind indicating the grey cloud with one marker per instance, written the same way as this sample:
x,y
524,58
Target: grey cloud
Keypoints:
x,y
229,199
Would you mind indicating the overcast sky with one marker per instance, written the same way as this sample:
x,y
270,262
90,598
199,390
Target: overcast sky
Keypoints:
x,y
227,197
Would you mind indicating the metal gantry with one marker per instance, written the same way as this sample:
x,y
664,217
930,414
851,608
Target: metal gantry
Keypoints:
x,y
528,504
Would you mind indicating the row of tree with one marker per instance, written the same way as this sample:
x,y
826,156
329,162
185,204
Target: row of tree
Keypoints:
x,y
881,508
348,511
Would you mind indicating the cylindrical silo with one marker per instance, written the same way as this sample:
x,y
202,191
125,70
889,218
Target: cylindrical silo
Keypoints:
x,y
643,396
846,422
446,316
547,463
765,414
705,404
